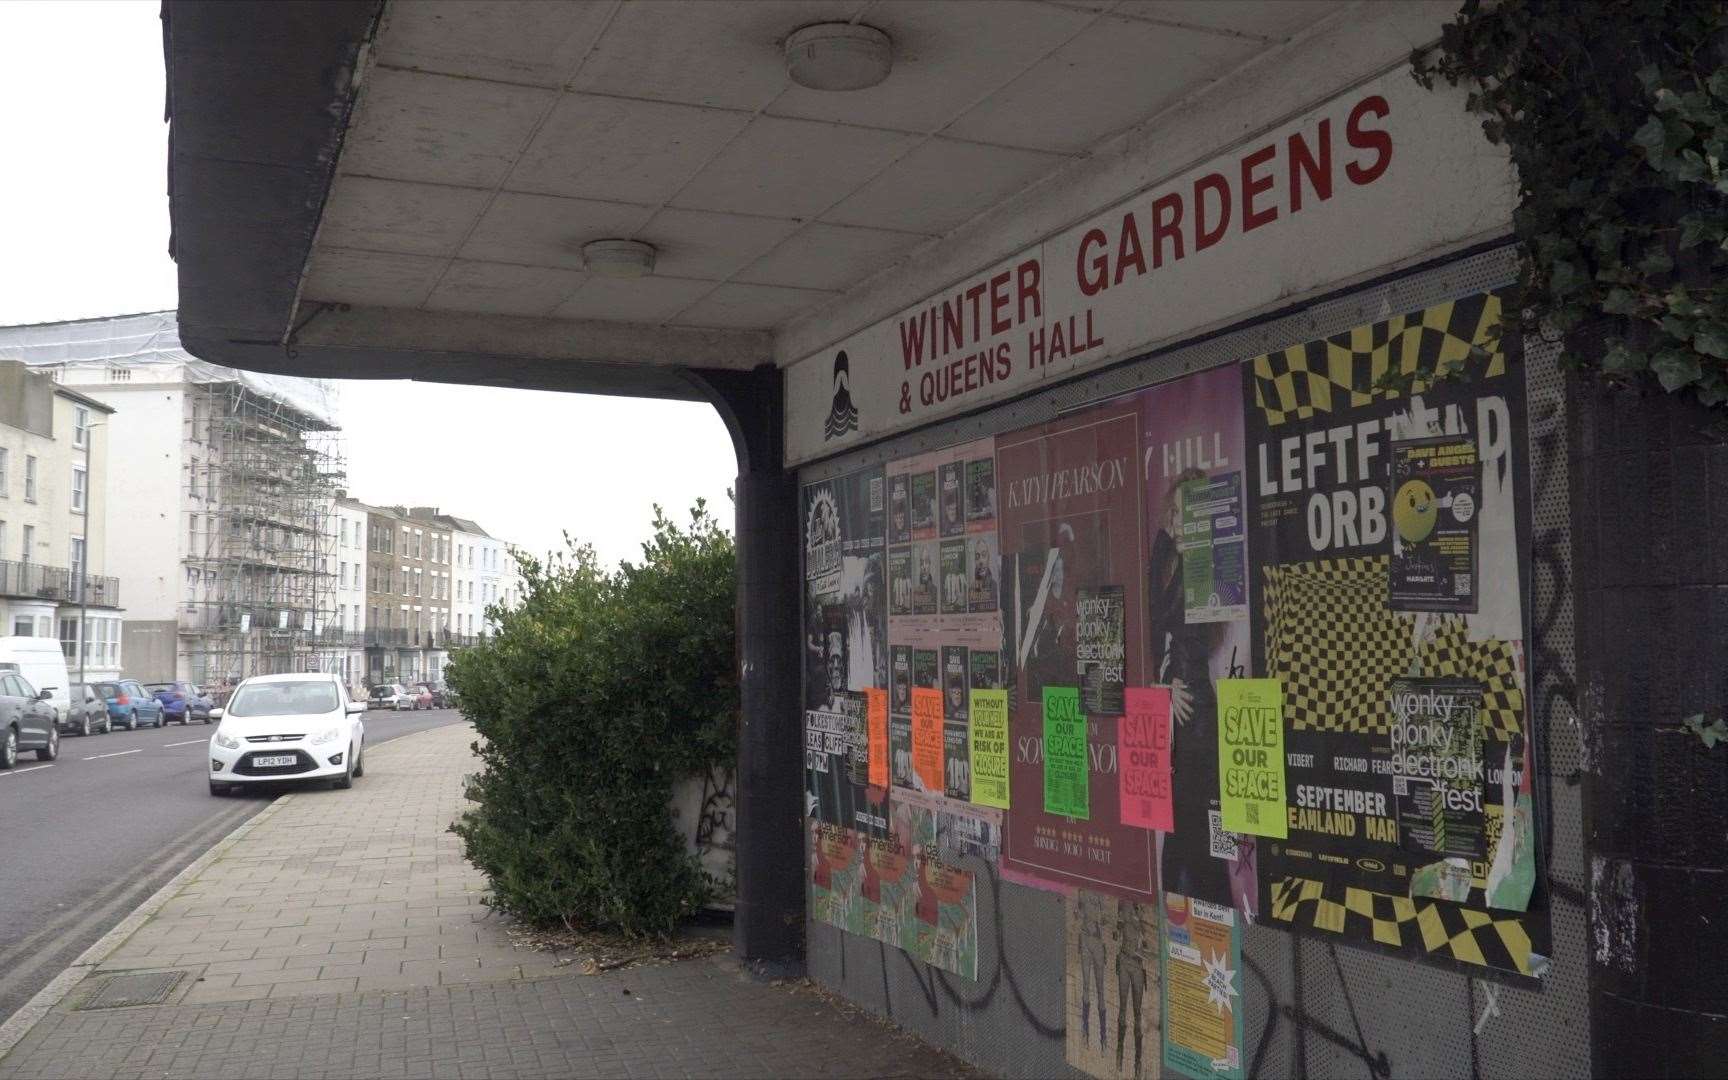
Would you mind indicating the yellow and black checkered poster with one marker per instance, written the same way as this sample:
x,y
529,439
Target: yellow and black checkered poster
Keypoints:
x,y
1408,751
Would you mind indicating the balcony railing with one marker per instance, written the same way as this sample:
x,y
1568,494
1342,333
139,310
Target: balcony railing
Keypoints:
x,y
396,637
38,581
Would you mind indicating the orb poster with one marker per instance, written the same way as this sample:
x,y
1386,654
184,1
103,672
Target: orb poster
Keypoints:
x,y
1386,494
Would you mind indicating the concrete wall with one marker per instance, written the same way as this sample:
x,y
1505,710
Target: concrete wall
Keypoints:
x,y
149,648
147,502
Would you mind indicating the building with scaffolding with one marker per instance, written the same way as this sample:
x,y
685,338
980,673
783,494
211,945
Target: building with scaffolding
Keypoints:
x,y
223,507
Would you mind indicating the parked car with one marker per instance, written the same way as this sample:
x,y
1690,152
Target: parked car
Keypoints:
x,y
90,714
299,726
182,702
392,696
440,696
43,666
27,720
130,705
422,696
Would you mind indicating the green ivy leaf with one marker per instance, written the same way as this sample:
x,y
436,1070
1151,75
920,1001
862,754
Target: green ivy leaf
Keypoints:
x,y
1712,340
1566,277
1655,261
1676,368
1652,138
1620,301
1719,84
1651,76
1712,390
1695,229
1621,358
1607,238
1678,328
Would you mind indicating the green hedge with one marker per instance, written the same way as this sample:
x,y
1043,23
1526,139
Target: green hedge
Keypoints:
x,y
598,692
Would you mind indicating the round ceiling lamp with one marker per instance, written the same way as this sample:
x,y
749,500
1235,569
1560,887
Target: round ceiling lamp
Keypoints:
x,y
838,56
619,258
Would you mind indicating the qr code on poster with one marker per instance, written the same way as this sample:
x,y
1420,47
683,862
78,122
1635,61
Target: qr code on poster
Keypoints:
x,y
1221,843
1461,585
1401,786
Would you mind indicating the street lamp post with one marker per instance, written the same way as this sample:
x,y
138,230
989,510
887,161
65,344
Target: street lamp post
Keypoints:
x,y
83,569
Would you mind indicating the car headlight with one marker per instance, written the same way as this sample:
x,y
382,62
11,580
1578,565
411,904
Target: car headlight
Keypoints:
x,y
226,741
327,735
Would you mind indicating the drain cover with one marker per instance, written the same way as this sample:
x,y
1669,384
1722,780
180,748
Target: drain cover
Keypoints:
x,y
125,991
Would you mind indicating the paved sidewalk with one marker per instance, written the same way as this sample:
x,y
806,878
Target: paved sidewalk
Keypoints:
x,y
343,935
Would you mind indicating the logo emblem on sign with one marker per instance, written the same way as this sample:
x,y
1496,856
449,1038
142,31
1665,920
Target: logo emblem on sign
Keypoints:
x,y
842,415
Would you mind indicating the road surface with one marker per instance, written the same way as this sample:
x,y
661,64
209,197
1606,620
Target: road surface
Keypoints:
x,y
89,838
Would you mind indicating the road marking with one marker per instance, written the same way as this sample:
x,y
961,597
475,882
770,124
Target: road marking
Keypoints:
x,y
30,768
188,742
117,753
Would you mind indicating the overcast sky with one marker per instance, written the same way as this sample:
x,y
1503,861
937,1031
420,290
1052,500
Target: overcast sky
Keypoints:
x,y
84,195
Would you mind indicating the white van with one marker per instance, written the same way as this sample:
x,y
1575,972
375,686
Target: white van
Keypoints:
x,y
41,662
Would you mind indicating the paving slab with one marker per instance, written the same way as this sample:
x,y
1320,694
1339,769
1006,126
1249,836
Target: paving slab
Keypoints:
x,y
344,935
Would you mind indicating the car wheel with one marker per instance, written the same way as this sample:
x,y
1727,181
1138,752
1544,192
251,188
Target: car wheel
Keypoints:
x,y
84,727
218,790
52,750
9,749
107,725
346,780
360,763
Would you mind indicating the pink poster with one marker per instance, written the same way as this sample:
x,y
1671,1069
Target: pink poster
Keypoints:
x,y
1144,757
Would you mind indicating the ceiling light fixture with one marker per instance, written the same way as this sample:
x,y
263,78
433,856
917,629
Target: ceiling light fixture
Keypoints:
x,y
838,56
619,258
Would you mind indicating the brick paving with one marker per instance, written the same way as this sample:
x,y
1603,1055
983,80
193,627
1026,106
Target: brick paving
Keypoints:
x,y
345,936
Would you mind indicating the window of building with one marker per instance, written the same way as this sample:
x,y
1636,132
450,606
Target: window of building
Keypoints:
x,y
29,478
80,425
77,552
69,639
418,579
5,456
23,626
2,539
29,543
79,482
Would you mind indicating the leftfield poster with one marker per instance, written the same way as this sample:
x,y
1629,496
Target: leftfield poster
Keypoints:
x,y
1072,538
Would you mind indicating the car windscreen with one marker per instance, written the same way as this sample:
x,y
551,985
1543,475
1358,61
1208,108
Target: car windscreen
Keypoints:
x,y
158,687
382,691
283,699
109,689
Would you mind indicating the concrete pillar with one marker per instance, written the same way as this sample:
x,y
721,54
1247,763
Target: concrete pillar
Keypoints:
x,y
1650,558
768,926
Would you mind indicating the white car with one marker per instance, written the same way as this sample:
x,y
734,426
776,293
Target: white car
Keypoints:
x,y
288,727
392,696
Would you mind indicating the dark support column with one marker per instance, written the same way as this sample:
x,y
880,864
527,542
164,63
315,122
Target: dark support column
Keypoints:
x,y
1650,554
768,928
